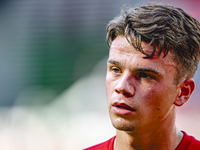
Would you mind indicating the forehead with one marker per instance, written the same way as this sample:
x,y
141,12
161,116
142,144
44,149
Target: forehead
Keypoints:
x,y
124,52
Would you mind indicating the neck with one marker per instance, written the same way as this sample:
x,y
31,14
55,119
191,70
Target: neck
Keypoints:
x,y
159,137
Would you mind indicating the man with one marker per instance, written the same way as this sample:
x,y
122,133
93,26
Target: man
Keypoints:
x,y
154,54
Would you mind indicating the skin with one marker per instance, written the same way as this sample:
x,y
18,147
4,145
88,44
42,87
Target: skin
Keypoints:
x,y
147,86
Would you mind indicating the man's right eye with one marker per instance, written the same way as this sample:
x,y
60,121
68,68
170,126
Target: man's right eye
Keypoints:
x,y
115,70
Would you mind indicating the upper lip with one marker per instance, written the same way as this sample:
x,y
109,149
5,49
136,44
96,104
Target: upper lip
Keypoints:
x,y
123,105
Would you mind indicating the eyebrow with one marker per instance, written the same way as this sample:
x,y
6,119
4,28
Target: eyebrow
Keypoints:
x,y
150,70
115,63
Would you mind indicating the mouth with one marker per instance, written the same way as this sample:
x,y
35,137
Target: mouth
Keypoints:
x,y
124,107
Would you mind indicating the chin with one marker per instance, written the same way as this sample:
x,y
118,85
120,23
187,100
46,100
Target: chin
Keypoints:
x,y
123,127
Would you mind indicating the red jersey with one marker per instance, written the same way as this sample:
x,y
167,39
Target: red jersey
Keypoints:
x,y
108,145
187,143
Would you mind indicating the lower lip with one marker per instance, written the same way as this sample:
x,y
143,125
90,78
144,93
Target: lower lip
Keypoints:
x,y
121,111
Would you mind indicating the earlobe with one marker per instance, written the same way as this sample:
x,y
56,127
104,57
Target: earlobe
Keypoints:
x,y
186,90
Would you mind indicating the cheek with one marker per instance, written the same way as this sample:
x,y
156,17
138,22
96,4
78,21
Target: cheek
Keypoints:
x,y
107,83
109,86
152,107
152,98
110,82
158,101
109,91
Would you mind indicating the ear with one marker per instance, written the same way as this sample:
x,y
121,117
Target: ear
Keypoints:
x,y
186,89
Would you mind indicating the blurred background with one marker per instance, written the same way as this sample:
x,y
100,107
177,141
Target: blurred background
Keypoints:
x,y
53,66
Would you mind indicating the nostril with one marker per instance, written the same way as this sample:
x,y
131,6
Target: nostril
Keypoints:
x,y
126,94
117,91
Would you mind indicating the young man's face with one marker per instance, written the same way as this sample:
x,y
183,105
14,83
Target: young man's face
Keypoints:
x,y
140,92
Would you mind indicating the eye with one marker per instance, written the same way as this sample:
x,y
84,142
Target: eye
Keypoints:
x,y
145,75
115,70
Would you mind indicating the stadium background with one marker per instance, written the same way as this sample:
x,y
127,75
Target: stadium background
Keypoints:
x,y
53,65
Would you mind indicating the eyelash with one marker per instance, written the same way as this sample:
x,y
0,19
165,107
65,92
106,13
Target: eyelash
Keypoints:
x,y
145,75
115,70
139,75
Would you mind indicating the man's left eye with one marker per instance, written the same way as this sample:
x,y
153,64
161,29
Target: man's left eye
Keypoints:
x,y
145,75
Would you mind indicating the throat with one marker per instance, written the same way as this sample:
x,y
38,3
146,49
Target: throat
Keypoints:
x,y
128,141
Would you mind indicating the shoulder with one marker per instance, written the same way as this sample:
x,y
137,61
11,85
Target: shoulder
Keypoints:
x,y
189,143
107,145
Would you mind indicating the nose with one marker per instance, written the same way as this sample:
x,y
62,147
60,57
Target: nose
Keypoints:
x,y
125,85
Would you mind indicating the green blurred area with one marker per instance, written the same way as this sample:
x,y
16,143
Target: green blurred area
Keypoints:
x,y
46,46
49,45
53,64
